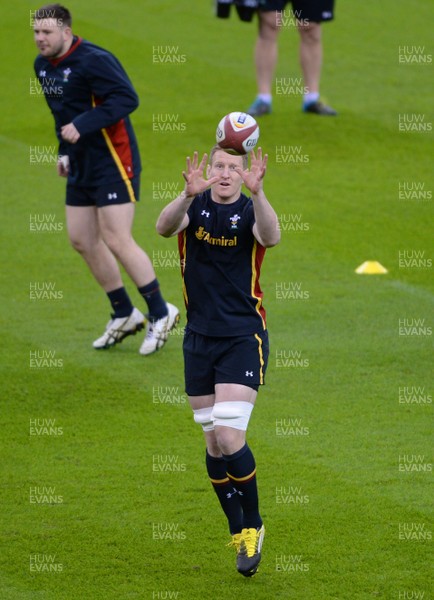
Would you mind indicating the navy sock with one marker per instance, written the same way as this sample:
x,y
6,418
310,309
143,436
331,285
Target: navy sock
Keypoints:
x,y
226,493
121,303
241,470
157,308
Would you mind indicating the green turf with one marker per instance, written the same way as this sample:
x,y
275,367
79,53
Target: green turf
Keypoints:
x,y
334,429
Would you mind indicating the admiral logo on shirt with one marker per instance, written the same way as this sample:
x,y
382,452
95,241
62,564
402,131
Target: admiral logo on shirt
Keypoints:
x,y
205,236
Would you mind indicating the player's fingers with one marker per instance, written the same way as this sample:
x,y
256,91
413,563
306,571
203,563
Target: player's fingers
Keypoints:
x,y
61,170
203,161
195,160
184,174
262,170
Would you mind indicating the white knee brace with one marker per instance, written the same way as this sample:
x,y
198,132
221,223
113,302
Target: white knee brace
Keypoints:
x,y
232,414
203,416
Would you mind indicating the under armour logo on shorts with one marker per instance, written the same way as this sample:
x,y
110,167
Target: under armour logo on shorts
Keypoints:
x,y
112,196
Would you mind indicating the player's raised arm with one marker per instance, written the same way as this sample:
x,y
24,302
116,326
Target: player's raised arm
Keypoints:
x,y
266,227
173,218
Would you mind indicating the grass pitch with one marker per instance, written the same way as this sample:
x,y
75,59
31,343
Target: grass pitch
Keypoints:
x,y
104,490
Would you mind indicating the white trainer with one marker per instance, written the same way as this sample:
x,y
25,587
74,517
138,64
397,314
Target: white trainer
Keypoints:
x,y
158,332
118,329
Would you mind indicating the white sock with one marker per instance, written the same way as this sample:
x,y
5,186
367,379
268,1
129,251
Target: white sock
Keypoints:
x,y
265,98
311,97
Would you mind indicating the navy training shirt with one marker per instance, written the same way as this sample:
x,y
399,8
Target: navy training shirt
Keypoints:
x,y
89,87
220,265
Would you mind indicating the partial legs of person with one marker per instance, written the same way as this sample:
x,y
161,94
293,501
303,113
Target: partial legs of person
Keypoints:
x,y
231,466
265,58
311,55
85,238
115,223
102,236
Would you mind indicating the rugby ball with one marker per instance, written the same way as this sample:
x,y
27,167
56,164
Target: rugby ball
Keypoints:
x,y
237,133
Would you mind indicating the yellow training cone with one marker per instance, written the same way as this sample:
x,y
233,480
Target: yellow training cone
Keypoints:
x,y
371,267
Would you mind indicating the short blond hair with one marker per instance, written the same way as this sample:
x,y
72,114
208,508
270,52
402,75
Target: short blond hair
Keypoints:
x,y
216,148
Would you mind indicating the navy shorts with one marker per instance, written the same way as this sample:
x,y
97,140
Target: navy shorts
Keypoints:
x,y
309,10
119,192
211,360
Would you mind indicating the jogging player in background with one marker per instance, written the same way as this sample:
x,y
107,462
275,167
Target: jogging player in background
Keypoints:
x,y
222,237
91,98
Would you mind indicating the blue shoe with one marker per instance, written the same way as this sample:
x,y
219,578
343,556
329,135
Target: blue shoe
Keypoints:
x,y
259,108
319,108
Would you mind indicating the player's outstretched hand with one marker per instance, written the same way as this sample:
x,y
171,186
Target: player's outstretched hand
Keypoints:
x,y
195,182
253,177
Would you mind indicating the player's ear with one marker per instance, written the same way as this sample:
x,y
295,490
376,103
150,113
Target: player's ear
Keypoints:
x,y
208,170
